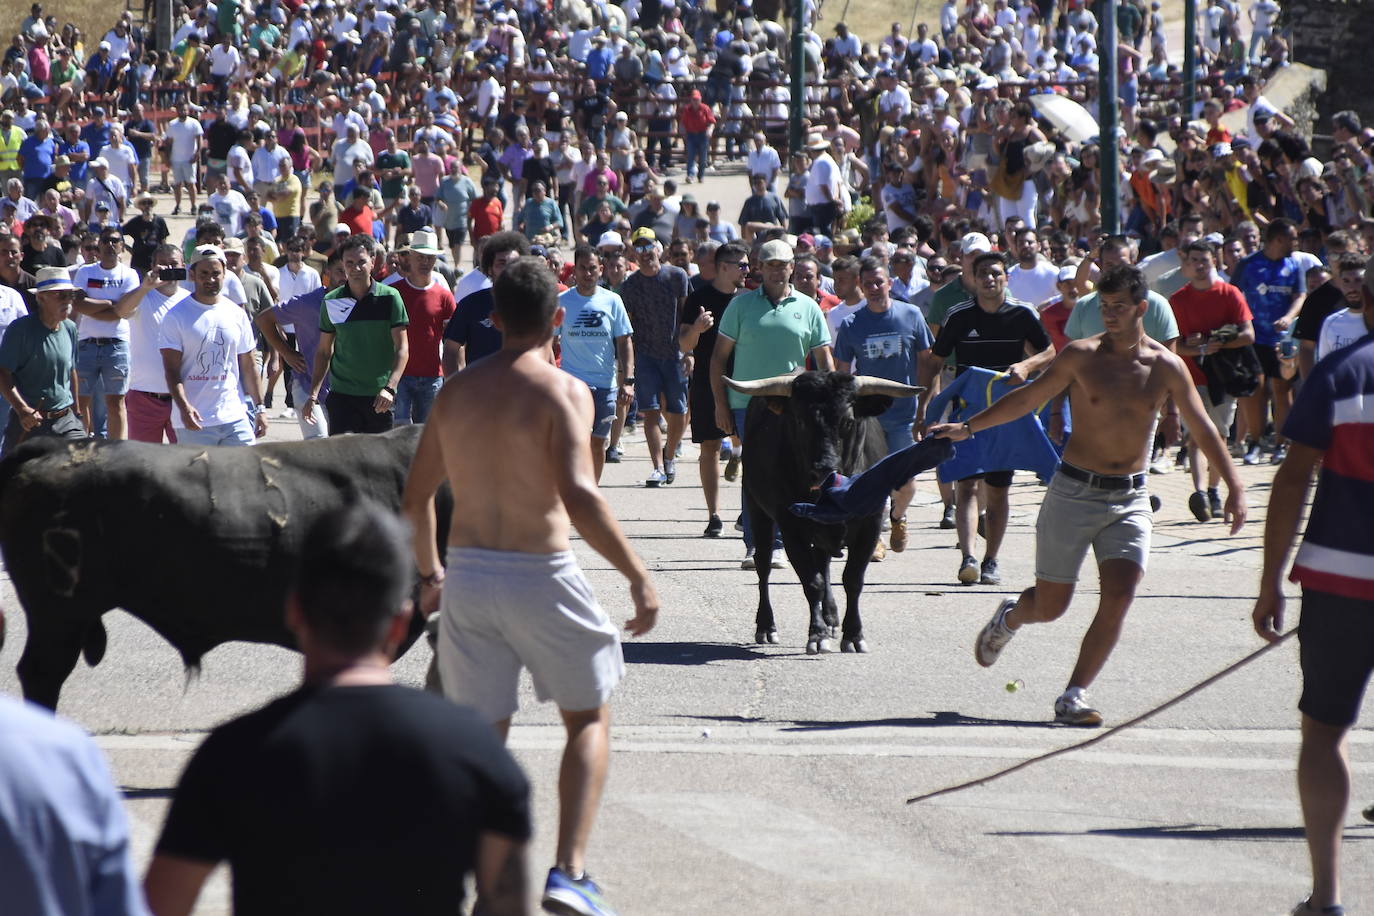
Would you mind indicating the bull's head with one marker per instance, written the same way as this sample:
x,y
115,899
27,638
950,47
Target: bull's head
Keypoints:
x,y
821,411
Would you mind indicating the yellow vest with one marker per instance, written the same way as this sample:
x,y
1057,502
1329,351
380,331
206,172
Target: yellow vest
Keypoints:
x,y
9,149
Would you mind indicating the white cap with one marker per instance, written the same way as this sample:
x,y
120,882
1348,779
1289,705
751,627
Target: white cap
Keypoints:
x,y
98,162
610,240
974,241
1067,273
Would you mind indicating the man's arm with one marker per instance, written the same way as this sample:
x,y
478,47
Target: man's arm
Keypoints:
x,y
1033,363
324,352
588,510
173,884
28,416
825,359
128,303
1286,498
501,876
720,357
385,399
270,327
251,383
454,357
625,362
171,369
417,505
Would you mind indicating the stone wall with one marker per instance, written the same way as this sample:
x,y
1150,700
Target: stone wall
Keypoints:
x,y
1336,36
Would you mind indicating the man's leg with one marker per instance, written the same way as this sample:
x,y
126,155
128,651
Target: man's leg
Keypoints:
x,y
1119,579
966,514
998,511
653,438
1324,788
677,423
598,456
1281,391
581,779
405,402
708,464
118,417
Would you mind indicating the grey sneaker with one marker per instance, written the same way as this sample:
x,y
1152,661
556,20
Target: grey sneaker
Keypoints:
x,y
670,470
995,635
989,574
1252,452
1073,709
655,478
968,571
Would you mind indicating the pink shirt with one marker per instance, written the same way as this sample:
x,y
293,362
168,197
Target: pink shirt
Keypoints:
x,y
429,169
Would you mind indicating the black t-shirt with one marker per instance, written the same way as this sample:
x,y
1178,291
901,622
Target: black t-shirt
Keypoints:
x,y
990,340
33,261
337,800
1319,304
705,299
220,137
147,233
471,326
593,110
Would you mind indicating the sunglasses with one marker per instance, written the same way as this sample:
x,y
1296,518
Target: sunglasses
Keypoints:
x,y
645,246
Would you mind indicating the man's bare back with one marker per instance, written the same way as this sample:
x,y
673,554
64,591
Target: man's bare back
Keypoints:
x,y
1115,394
510,429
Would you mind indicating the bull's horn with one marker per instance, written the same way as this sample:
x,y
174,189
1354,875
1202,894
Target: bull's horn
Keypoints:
x,y
871,384
779,386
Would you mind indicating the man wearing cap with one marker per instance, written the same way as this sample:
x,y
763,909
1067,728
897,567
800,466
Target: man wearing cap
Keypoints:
x,y
768,331
363,346
698,121
38,365
824,204
653,298
207,347
103,347
100,70
104,188
148,402
429,306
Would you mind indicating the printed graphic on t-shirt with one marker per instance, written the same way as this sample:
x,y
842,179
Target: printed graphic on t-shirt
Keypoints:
x,y
340,309
883,346
211,362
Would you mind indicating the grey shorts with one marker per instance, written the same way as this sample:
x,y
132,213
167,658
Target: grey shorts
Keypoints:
x,y
1075,516
502,611
1222,415
183,172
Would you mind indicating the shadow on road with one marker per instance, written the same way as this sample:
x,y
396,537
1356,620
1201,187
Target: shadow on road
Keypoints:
x,y
136,793
1188,832
686,653
935,719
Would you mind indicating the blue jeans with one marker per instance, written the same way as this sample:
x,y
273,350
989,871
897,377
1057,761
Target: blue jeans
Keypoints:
x,y
738,413
414,397
696,152
897,432
239,432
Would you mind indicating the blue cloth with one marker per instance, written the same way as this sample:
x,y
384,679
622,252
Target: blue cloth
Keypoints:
x,y
38,156
863,494
64,840
587,335
1269,287
79,172
1020,445
886,345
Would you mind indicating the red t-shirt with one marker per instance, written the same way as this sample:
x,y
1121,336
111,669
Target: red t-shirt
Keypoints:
x,y
429,310
1202,311
360,220
486,217
1054,318
696,117
827,301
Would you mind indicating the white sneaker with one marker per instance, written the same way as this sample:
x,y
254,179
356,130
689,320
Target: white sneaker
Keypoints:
x,y
1072,709
655,479
670,471
748,562
995,635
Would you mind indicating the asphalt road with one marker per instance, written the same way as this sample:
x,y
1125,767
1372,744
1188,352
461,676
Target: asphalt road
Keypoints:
x,y
756,779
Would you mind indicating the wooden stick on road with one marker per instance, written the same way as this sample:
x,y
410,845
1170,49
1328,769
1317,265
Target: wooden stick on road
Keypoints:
x,y
1111,731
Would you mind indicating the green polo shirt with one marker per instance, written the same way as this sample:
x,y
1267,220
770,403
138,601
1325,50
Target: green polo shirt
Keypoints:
x,y
363,349
771,339
946,298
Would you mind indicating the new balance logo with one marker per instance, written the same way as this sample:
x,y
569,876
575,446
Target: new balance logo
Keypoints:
x,y
589,319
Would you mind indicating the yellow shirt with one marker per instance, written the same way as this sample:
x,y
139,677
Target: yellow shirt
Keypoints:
x,y
288,204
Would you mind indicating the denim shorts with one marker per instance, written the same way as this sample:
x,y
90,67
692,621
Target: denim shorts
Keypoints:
x,y
107,361
603,400
898,434
1075,516
236,432
660,376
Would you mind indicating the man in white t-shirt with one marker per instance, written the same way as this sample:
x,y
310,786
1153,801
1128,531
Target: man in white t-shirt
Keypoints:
x,y
846,276
230,206
764,160
12,307
207,349
350,154
121,157
102,352
1262,14
104,188
823,203
224,60
1033,279
184,132
148,402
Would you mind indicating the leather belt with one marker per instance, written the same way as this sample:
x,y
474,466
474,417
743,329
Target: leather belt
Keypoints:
x,y
101,341
55,414
1103,481
154,394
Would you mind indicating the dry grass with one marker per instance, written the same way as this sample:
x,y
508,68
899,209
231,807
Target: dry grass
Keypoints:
x,y
93,17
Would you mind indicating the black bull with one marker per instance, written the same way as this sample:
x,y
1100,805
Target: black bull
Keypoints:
x,y
201,544
798,430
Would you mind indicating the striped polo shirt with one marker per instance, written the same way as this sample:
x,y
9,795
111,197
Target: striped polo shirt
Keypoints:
x,y
1334,412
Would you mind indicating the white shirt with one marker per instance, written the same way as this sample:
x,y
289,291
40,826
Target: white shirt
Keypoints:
x,y
123,161
232,290
764,162
347,158
836,316
210,339
290,285
1339,330
823,173
266,163
145,353
110,285
112,192
1034,284
1153,267
11,307
184,134
230,209
469,283
896,97
1265,11
224,61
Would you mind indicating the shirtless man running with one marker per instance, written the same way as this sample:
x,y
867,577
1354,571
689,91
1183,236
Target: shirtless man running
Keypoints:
x,y
512,594
1120,379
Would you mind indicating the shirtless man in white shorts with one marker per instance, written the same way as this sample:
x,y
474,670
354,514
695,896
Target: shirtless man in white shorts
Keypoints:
x,y
511,593
1120,379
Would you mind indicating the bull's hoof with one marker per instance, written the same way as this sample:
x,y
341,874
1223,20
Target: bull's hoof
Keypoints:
x,y
819,646
853,645
834,630
766,636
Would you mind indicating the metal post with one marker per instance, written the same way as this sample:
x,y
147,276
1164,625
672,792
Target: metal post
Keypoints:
x,y
1107,120
1189,59
794,125
162,10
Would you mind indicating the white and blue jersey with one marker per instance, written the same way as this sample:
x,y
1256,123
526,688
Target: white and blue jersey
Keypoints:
x,y
588,332
1269,287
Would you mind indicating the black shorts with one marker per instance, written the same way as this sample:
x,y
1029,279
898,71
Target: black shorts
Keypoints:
x,y
352,413
1268,360
1336,635
993,478
702,404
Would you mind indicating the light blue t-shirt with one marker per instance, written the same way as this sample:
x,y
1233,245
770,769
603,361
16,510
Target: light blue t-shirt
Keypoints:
x,y
886,344
1086,318
588,332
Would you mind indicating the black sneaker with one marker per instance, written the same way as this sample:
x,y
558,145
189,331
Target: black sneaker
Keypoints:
x,y
1214,502
947,518
989,575
714,527
1197,504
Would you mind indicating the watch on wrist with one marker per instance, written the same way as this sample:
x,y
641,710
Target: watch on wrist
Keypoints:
x,y
629,380
389,390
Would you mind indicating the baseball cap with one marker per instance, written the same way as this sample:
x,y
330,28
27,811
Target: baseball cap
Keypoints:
x,y
823,241
643,234
233,245
99,162
1067,273
610,240
974,241
206,253
776,250
807,239
1220,150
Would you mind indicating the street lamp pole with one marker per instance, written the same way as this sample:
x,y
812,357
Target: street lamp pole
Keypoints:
x,y
1189,59
1107,120
794,124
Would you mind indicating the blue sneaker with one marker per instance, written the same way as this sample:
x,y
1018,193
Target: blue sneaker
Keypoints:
x,y
565,895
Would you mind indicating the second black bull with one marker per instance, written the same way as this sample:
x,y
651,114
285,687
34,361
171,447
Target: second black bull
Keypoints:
x,y
800,429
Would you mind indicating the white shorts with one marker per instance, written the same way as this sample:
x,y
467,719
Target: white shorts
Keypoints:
x,y
502,611
183,172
